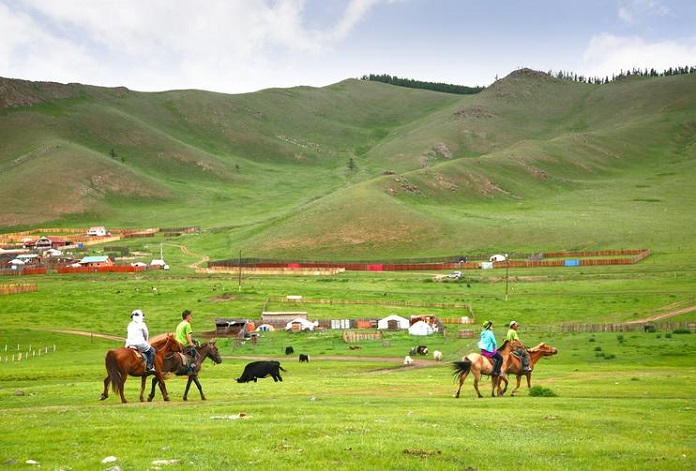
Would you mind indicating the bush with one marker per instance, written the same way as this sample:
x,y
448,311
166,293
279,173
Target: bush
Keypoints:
x,y
598,349
681,331
539,391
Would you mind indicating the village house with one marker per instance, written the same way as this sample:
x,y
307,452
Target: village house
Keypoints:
x,y
96,261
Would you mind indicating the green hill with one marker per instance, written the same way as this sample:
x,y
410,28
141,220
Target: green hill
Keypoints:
x,y
360,168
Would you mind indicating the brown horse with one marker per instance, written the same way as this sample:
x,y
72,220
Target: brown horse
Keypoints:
x,y
478,365
514,365
123,361
178,363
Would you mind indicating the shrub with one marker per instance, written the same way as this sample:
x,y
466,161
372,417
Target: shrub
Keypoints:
x,y
681,331
598,349
540,391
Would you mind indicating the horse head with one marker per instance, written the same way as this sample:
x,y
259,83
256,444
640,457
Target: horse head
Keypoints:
x,y
545,350
213,353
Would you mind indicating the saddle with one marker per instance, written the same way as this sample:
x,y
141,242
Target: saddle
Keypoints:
x,y
137,352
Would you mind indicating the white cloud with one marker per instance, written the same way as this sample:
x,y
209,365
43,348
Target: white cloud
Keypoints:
x,y
633,11
224,45
609,54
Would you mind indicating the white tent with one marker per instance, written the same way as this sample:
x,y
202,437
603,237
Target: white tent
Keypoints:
x,y
303,323
421,328
401,322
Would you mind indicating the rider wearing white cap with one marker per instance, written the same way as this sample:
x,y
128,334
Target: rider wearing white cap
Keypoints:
x,y
138,336
521,352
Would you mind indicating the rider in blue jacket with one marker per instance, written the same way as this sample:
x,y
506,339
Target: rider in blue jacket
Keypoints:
x,y
489,347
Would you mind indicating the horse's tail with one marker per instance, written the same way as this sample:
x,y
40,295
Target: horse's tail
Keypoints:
x,y
461,367
114,372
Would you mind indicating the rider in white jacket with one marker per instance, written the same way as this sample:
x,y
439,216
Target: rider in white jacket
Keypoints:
x,y
138,336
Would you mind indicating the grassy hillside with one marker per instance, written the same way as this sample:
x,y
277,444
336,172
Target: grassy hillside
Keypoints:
x,y
360,168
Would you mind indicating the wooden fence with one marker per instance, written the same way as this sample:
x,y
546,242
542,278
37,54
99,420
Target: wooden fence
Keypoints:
x,y
629,327
552,259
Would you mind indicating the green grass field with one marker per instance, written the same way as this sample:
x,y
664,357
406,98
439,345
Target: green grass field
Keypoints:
x,y
359,171
622,400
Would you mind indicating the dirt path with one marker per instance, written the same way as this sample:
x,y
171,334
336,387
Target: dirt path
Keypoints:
x,y
88,334
186,251
665,315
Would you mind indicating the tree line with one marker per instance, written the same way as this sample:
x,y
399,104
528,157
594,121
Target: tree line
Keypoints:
x,y
562,75
635,72
410,83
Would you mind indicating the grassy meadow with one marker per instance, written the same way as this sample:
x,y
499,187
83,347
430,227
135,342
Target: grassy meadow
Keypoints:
x,y
620,400
358,171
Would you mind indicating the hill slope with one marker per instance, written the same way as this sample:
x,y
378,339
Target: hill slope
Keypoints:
x,y
359,168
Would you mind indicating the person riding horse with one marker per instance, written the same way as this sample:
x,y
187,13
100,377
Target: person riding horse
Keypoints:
x,y
184,335
138,336
521,351
489,347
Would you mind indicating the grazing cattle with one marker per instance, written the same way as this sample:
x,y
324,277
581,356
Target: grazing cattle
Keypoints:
x,y
437,355
412,351
304,358
261,369
354,347
289,350
408,360
422,350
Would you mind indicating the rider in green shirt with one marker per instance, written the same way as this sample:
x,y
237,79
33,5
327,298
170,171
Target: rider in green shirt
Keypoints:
x,y
521,352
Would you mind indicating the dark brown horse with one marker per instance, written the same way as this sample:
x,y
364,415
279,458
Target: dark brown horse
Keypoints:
x,y
123,361
514,365
179,364
478,365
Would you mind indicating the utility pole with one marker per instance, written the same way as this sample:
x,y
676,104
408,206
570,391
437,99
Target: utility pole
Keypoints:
x,y
240,270
507,272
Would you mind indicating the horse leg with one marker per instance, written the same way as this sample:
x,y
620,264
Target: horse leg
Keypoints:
x,y
105,394
519,380
477,376
162,386
502,379
152,390
462,377
188,385
529,379
200,388
143,379
122,389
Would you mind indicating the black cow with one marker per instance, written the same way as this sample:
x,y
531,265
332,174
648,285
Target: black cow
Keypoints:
x,y
289,350
261,369
422,350
304,358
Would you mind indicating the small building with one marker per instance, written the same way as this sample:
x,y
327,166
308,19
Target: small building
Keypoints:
x,y
159,263
97,231
226,327
45,243
279,319
95,261
393,322
421,328
299,324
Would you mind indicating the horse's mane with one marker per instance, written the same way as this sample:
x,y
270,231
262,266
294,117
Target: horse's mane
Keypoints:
x,y
160,339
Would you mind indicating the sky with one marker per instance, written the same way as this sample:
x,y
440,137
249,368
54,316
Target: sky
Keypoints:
x,y
241,46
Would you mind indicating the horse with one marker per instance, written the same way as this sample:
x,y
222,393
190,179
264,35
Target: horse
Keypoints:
x,y
514,365
478,365
178,364
123,361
